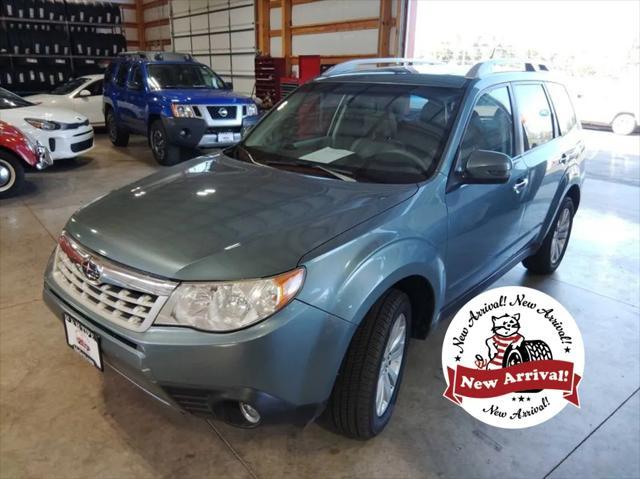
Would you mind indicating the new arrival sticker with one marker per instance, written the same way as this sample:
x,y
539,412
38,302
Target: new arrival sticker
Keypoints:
x,y
513,357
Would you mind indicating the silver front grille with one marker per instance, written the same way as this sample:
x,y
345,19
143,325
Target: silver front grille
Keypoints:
x,y
129,299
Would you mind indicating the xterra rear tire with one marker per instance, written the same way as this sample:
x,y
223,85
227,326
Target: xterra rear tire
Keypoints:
x,y
118,135
360,406
552,250
164,152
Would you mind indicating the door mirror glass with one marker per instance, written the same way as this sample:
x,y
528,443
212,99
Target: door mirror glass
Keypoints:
x,y
134,85
228,85
84,93
487,167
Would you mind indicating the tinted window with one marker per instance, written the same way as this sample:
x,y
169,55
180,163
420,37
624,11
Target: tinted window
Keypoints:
x,y
68,87
563,106
121,76
491,125
10,100
136,75
535,115
182,75
369,132
95,88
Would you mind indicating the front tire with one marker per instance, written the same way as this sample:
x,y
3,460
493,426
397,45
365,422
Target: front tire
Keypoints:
x,y
164,152
366,389
119,136
548,257
623,124
11,175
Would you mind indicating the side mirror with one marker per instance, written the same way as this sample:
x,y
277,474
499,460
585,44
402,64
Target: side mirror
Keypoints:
x,y
228,85
84,93
487,167
134,85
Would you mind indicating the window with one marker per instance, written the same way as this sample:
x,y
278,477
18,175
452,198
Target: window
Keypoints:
x,y
95,88
121,76
491,125
535,115
564,108
69,86
378,133
182,75
10,100
108,73
136,78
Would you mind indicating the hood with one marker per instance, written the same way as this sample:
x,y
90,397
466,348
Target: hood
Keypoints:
x,y
215,218
62,115
205,97
48,99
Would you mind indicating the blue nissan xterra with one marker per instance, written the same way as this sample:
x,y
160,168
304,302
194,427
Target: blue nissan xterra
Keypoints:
x,y
176,102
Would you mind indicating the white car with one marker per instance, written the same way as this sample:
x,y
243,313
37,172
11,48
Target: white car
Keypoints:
x,y
65,133
82,95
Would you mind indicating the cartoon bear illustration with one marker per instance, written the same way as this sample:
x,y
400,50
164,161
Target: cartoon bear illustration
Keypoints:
x,y
505,329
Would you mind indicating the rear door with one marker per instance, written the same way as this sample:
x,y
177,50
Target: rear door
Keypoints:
x,y
545,153
484,221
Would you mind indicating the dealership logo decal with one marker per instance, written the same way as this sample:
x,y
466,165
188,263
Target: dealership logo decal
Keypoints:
x,y
513,357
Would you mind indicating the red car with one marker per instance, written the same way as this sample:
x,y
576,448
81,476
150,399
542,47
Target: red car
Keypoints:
x,y
16,149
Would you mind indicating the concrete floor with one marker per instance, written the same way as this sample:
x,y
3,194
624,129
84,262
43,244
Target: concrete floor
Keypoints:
x,y
59,417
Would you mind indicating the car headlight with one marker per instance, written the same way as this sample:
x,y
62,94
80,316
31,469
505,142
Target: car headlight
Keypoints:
x,y
228,306
43,124
182,111
252,109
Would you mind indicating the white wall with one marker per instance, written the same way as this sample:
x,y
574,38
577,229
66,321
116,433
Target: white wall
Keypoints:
x,y
219,33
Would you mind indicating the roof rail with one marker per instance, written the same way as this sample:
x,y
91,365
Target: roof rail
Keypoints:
x,y
158,56
353,65
482,69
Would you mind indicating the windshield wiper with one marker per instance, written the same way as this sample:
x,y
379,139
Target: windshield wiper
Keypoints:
x,y
340,174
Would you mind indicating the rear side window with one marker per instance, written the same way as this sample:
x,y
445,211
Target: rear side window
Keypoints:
x,y
491,125
563,106
535,115
121,76
95,88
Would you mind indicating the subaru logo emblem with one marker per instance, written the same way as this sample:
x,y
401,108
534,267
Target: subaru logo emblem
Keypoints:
x,y
223,112
91,270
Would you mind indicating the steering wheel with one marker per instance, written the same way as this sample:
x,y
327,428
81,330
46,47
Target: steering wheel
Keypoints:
x,y
398,155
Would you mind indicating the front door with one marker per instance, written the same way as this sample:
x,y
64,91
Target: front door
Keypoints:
x,y
484,221
91,106
136,100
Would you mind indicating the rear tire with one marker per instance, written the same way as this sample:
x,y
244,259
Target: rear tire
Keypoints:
x,y
549,256
119,136
164,152
360,407
11,175
623,124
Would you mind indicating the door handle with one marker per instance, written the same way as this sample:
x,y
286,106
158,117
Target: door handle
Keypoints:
x,y
564,159
520,185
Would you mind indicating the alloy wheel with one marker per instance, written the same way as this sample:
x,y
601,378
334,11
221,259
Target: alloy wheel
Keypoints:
x,y
560,236
391,364
158,143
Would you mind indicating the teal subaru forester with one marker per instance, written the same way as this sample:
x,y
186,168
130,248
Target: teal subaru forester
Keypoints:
x,y
282,278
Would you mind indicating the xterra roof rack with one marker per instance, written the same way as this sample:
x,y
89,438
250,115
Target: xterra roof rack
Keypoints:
x,y
479,70
158,56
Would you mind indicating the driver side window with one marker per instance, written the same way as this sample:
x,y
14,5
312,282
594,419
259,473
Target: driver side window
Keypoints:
x,y
491,125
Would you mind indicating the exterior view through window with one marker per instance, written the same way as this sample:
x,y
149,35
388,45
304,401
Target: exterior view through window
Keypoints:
x,y
359,132
535,115
563,106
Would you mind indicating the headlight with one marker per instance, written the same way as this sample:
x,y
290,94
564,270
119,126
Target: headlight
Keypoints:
x,y
182,111
252,109
228,306
43,124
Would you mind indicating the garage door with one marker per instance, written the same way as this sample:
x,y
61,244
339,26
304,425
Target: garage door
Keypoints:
x,y
219,33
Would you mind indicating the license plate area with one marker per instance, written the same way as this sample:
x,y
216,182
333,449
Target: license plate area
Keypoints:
x,y
225,137
84,341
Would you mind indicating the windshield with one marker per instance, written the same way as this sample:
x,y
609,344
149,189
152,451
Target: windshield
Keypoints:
x,y
182,75
10,100
70,86
371,133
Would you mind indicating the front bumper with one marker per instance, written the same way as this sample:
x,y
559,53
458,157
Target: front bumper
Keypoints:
x,y
65,143
284,367
203,133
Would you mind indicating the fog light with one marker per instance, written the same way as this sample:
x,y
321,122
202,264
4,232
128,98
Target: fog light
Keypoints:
x,y
184,133
249,413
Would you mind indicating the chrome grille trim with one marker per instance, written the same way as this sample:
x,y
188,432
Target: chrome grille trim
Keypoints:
x,y
130,299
